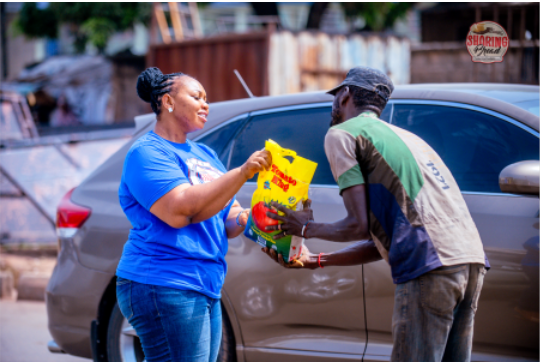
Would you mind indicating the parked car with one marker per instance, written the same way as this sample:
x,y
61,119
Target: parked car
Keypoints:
x,y
482,131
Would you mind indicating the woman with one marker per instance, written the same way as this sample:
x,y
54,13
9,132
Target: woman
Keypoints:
x,y
181,203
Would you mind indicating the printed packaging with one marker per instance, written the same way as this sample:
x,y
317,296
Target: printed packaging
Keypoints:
x,y
287,182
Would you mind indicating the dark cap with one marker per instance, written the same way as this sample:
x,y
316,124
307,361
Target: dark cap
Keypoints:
x,y
368,78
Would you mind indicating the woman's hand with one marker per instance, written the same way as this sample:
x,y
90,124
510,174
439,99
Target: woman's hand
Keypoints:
x,y
258,161
244,216
237,215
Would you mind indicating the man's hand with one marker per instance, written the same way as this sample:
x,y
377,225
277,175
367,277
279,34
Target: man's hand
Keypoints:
x,y
292,222
306,261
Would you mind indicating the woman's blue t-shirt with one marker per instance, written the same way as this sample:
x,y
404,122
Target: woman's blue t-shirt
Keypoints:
x,y
192,257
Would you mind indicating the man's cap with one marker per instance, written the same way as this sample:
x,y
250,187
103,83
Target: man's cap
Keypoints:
x,y
368,78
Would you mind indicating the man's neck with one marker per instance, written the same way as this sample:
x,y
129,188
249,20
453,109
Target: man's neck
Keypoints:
x,y
355,112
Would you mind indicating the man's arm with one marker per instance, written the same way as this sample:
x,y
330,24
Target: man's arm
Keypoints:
x,y
353,227
362,252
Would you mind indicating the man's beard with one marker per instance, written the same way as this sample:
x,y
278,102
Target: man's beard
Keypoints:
x,y
337,117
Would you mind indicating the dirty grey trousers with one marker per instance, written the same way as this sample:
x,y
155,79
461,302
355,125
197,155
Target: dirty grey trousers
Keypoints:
x,y
433,316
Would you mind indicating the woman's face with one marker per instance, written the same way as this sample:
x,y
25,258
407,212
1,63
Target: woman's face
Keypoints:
x,y
190,107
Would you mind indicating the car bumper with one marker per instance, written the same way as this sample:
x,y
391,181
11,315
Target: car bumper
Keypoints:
x,y
72,297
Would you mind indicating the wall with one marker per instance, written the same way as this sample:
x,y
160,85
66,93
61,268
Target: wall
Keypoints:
x,y
124,99
450,62
21,51
213,60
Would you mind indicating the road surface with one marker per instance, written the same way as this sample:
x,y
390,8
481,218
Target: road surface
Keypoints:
x,y
24,334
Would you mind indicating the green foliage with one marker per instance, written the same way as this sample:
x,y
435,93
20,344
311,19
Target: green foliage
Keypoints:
x,y
98,31
37,23
89,21
122,15
378,16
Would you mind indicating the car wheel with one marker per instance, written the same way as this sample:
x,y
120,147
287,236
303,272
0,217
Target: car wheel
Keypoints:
x,y
227,350
123,345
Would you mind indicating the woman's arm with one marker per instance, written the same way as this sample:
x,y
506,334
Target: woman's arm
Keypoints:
x,y
232,228
186,204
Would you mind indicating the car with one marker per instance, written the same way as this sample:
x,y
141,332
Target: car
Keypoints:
x,y
487,134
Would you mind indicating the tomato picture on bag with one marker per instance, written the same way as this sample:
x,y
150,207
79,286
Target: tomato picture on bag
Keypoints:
x,y
260,218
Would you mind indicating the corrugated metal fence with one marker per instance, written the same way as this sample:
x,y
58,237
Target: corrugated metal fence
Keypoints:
x,y
281,62
310,61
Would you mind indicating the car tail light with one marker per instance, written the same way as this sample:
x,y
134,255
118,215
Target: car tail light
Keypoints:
x,y
70,216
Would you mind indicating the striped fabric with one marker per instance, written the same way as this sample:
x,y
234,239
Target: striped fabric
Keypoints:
x,y
417,216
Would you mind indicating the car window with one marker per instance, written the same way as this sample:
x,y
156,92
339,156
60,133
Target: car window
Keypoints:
x,y
219,139
475,146
387,111
300,130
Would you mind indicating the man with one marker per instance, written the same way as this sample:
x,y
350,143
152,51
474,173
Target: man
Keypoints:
x,y
400,197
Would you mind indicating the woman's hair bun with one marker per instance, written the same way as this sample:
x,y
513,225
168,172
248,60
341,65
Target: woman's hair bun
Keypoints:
x,y
147,81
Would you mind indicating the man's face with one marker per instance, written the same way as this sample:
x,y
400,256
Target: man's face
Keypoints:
x,y
337,114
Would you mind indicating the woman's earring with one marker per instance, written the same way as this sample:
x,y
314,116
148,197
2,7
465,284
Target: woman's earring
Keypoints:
x,y
170,109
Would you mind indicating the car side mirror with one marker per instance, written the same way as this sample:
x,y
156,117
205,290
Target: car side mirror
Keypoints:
x,y
520,178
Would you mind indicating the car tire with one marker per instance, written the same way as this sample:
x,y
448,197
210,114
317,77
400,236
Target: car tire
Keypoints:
x,y
227,349
124,346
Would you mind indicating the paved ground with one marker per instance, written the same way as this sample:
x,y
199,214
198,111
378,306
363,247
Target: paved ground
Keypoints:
x,y
24,334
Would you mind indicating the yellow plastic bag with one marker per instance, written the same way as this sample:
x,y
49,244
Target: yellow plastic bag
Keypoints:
x,y
286,183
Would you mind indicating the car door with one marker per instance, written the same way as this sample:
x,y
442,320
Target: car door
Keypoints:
x,y
476,144
300,315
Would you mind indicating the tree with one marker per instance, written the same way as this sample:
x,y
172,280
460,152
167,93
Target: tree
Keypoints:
x,y
378,16
316,12
265,9
37,23
88,21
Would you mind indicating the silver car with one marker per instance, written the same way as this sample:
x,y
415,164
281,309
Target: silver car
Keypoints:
x,y
487,134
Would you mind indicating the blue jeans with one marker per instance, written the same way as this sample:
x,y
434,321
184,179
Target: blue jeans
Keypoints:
x,y
172,324
433,317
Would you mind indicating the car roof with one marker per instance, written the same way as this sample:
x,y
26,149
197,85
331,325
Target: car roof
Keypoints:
x,y
501,98
493,96
510,93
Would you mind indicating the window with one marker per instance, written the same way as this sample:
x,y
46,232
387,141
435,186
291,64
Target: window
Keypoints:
x,y
475,146
386,113
219,139
300,130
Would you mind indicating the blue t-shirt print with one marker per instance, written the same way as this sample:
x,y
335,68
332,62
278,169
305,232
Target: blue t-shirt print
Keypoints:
x,y
192,257
200,172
